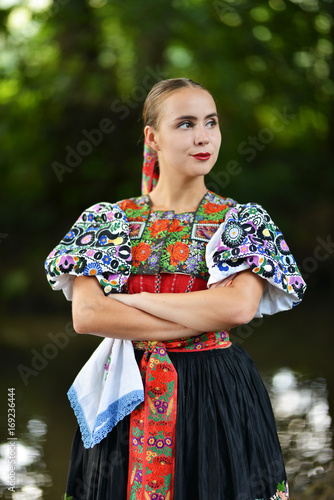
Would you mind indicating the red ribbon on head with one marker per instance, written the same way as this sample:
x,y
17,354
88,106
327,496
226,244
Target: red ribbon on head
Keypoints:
x,y
150,174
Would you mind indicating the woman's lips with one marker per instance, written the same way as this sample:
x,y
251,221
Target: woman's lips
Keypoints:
x,y
202,156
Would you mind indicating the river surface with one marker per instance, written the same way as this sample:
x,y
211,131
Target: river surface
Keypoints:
x,y
40,357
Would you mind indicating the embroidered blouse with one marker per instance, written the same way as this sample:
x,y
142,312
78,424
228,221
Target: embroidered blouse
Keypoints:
x,y
114,241
221,238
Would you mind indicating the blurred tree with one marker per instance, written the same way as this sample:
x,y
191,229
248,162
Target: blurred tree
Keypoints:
x,y
73,79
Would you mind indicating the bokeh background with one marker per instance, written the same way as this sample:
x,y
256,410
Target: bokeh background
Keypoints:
x,y
73,79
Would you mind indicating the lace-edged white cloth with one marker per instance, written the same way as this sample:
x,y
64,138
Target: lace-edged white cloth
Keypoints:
x,y
107,388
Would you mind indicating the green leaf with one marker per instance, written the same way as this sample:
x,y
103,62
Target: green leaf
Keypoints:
x,y
281,486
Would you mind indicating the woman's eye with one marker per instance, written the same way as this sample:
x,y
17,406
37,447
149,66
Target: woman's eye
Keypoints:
x,y
212,123
185,125
188,125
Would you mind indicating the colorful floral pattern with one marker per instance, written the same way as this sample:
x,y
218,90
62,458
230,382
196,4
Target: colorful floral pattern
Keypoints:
x,y
151,461
106,368
97,245
204,342
282,492
249,235
150,173
170,242
153,422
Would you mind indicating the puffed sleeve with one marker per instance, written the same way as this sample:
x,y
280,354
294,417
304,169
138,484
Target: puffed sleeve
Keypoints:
x,y
98,244
249,239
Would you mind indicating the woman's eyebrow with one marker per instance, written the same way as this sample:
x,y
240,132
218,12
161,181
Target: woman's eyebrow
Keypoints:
x,y
191,117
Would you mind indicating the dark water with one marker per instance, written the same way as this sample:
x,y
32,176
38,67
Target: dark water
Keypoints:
x,y
40,358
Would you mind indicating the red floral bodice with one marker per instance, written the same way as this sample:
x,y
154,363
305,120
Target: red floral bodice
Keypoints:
x,y
173,242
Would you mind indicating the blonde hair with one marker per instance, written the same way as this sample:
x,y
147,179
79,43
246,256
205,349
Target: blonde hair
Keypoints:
x,y
159,92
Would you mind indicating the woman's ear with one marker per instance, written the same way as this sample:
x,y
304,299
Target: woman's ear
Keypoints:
x,y
151,138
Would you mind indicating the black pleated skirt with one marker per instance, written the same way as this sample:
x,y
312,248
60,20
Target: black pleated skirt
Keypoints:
x,y
226,443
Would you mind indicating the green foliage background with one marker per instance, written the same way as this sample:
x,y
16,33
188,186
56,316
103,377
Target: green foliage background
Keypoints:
x,y
66,65
70,67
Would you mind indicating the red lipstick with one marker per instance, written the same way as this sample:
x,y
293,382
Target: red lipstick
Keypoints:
x,y
202,156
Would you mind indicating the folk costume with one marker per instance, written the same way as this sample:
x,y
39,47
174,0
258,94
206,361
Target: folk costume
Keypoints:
x,y
182,419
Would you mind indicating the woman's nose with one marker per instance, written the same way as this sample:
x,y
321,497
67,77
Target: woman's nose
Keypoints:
x,y
201,135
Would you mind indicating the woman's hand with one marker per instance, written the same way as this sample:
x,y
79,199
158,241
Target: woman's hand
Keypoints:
x,y
225,282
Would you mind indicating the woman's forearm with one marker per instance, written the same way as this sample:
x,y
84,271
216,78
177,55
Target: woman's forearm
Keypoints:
x,y
209,310
96,314
219,308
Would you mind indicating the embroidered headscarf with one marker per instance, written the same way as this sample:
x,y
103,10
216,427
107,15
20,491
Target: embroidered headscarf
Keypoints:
x,y
150,173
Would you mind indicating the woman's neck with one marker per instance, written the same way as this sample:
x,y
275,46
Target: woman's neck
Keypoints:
x,y
179,198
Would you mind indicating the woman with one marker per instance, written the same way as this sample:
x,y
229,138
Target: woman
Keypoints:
x,y
203,427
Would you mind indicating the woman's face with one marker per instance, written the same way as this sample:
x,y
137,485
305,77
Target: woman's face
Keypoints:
x,y
188,137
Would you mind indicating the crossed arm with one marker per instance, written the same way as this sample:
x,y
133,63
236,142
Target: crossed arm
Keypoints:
x,y
147,316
